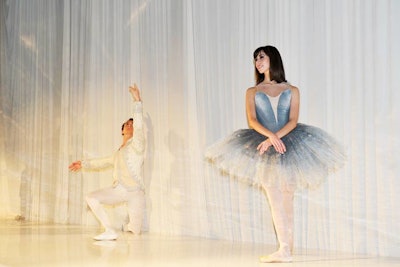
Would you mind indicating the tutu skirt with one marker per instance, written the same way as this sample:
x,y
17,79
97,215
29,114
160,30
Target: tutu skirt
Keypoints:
x,y
311,155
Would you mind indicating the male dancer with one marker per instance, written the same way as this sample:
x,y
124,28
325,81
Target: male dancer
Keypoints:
x,y
128,183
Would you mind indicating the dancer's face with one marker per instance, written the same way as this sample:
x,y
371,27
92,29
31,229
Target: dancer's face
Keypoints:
x,y
128,128
262,62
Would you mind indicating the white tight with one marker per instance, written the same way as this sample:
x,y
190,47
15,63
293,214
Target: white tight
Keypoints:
x,y
135,201
281,204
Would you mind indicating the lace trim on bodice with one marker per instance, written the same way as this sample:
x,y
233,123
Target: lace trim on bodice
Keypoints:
x,y
274,100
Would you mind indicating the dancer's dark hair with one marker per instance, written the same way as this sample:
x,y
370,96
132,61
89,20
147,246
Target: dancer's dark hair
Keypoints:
x,y
276,69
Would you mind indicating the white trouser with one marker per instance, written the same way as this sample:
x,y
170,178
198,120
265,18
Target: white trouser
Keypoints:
x,y
135,201
281,204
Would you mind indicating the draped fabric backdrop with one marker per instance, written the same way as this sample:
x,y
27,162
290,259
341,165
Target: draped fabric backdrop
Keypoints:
x,y
65,71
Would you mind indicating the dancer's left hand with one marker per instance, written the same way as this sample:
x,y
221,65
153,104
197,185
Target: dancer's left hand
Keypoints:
x,y
277,144
134,90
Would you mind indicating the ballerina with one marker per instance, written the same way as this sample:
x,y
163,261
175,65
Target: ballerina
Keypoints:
x,y
277,153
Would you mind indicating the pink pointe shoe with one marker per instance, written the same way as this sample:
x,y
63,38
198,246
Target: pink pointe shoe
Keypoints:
x,y
282,255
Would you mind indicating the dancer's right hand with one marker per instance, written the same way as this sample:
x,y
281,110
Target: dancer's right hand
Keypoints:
x,y
263,146
75,166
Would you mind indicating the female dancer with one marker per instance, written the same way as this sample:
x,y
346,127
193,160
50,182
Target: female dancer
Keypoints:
x,y
277,153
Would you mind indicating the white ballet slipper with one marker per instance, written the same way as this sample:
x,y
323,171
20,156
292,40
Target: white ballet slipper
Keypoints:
x,y
107,235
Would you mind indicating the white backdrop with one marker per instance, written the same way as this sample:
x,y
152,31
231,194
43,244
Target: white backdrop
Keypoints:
x,y
65,70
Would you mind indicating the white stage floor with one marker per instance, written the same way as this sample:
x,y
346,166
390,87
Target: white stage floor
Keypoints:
x,y
26,244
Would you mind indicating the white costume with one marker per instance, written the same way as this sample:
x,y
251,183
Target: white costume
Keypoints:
x,y
128,185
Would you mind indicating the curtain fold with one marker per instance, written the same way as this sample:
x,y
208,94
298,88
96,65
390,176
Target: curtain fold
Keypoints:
x,y
65,68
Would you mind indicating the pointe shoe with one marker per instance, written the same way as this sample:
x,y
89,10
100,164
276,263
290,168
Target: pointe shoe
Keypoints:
x,y
107,235
282,255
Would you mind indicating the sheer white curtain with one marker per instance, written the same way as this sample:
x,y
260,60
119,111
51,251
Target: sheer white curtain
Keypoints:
x,y
65,71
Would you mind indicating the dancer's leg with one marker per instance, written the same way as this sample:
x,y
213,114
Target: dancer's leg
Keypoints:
x,y
136,204
280,219
288,197
95,200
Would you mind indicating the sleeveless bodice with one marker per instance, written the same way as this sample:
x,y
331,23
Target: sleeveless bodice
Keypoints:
x,y
265,113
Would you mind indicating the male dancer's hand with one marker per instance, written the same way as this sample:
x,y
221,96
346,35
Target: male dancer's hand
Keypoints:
x,y
75,166
134,90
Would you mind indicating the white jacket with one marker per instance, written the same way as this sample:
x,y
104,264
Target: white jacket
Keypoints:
x,y
126,162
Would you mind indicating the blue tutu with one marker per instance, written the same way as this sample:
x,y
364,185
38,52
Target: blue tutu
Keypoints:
x,y
311,153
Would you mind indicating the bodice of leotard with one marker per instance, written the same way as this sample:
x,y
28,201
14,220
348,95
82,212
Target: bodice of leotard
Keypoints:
x,y
271,120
